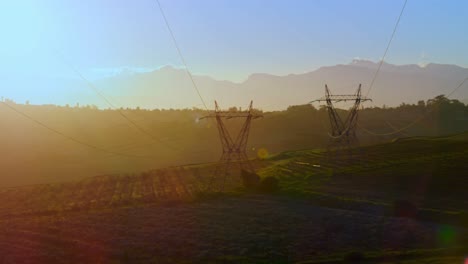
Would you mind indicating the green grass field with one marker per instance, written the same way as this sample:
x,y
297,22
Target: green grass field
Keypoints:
x,y
431,172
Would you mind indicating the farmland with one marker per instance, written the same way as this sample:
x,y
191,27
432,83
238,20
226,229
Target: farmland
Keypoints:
x,y
326,208
249,229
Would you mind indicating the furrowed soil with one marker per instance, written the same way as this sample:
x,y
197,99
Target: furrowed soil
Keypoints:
x,y
247,229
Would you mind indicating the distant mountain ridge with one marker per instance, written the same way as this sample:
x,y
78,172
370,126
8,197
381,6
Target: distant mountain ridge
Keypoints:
x,y
170,87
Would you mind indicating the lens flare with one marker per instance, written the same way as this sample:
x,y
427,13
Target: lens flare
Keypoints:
x,y
262,153
446,235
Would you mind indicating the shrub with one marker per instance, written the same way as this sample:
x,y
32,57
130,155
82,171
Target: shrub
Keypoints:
x,y
269,185
250,180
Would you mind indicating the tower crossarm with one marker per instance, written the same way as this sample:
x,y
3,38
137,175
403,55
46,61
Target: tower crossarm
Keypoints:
x,y
341,98
229,116
336,98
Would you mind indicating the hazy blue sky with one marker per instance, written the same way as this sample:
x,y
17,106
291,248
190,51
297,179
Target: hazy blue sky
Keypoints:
x,y
226,39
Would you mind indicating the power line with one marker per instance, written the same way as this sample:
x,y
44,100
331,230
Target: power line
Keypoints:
x,y
395,131
394,128
417,120
180,53
70,137
386,49
102,96
345,132
458,87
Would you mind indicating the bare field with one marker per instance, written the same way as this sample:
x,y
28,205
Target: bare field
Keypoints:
x,y
247,229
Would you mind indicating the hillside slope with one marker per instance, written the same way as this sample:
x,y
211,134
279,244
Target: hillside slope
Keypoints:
x,y
428,172
326,209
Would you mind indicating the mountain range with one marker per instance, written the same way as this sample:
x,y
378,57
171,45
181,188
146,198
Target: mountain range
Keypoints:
x,y
170,87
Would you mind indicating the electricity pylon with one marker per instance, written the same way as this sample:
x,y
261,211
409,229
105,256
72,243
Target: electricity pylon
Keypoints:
x,y
234,151
343,133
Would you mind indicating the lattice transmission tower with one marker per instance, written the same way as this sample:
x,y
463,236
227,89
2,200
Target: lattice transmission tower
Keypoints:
x,y
343,132
234,150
